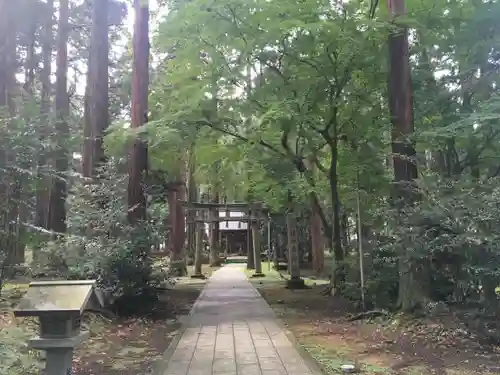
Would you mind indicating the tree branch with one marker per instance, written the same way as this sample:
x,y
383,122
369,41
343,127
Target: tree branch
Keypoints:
x,y
243,138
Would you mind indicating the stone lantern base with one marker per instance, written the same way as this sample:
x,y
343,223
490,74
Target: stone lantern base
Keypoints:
x,y
59,352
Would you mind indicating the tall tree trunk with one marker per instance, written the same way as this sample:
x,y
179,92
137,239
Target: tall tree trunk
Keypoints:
x,y
338,274
44,182
172,219
176,193
214,213
30,63
317,251
254,224
180,236
21,192
214,231
58,194
96,94
8,184
138,164
217,233
192,197
250,254
318,257
199,229
405,169
295,280
345,231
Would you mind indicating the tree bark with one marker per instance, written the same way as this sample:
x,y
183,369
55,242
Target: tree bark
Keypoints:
x,y
338,274
192,197
21,192
318,257
404,164
199,246
214,233
250,254
293,250
176,193
9,186
138,164
43,180
180,237
58,194
256,247
97,90
345,232
172,219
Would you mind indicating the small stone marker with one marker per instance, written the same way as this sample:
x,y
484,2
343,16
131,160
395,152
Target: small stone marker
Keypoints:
x,y
348,368
59,306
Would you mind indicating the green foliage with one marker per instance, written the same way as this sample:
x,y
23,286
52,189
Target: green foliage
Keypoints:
x,y
127,274
271,89
452,239
102,245
266,98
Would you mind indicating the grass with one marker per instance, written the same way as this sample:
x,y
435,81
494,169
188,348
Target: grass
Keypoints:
x,y
267,269
117,346
321,327
205,270
273,275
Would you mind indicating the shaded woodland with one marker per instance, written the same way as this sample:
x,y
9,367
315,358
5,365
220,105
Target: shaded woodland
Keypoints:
x,y
373,126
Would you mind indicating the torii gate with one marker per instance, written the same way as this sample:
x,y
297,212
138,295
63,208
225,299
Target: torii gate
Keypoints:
x,y
253,214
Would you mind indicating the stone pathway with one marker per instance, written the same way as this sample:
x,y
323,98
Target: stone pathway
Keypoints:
x,y
232,330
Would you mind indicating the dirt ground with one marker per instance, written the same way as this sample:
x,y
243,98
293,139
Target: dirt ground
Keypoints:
x,y
380,346
116,346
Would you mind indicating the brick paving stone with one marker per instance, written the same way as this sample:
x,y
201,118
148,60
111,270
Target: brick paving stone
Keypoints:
x,y
249,358
233,331
266,353
274,372
177,368
223,365
226,353
251,369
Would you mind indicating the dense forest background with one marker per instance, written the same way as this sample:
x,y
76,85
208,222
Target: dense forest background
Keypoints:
x,y
285,103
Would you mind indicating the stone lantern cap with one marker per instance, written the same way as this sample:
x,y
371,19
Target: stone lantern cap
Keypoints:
x,y
59,297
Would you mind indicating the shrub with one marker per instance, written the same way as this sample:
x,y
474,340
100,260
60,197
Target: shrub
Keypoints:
x,y
101,245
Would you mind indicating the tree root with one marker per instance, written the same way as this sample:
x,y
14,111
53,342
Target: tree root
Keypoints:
x,y
327,291
103,312
368,314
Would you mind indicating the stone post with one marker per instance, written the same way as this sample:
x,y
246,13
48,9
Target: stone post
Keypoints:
x,y
59,356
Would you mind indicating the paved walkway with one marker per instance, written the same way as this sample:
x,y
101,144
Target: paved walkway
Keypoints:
x,y
232,331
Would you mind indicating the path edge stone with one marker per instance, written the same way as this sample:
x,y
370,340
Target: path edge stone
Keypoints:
x,y
161,365
313,365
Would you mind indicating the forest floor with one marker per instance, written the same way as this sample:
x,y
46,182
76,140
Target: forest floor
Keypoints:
x,y
116,346
398,345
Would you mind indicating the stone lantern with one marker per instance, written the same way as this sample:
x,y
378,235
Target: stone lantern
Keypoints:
x,y
59,306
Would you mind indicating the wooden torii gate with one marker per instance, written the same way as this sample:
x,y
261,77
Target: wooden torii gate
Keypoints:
x,y
209,213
